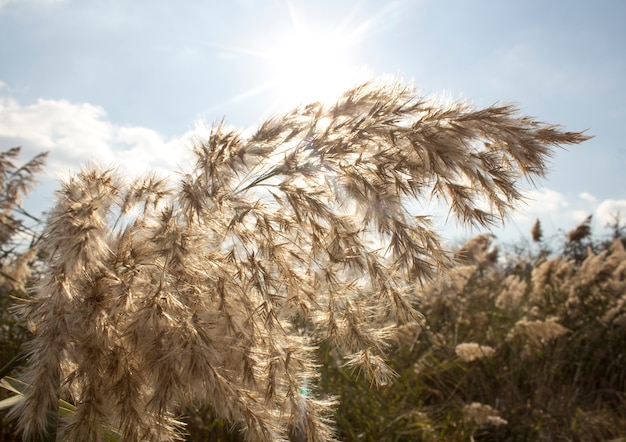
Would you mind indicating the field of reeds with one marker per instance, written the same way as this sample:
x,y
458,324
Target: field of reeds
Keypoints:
x,y
285,288
531,348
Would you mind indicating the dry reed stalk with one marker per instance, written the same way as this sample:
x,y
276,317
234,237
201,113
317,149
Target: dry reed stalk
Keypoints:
x,y
535,232
220,287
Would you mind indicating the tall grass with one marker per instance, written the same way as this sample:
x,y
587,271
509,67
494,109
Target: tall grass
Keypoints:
x,y
18,251
220,287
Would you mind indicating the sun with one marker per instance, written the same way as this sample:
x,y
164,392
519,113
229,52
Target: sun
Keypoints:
x,y
305,62
312,64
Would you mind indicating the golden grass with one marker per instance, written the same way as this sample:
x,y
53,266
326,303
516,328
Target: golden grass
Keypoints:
x,y
220,287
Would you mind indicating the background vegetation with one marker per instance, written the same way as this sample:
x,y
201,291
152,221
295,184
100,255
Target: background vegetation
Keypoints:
x,y
19,234
529,348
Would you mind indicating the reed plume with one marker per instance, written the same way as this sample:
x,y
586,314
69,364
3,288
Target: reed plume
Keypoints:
x,y
219,287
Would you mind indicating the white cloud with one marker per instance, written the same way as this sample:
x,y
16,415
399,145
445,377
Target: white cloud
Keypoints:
x,y
78,133
543,201
608,209
558,213
56,125
587,197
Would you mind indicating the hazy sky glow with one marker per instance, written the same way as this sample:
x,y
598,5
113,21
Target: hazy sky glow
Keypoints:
x,y
126,82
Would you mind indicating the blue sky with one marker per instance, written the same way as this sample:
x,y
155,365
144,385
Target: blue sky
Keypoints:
x,y
129,82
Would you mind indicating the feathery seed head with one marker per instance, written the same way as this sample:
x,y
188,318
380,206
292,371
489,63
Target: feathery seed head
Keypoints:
x,y
220,288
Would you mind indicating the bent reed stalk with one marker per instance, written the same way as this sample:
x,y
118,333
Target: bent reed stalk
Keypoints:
x,y
219,288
